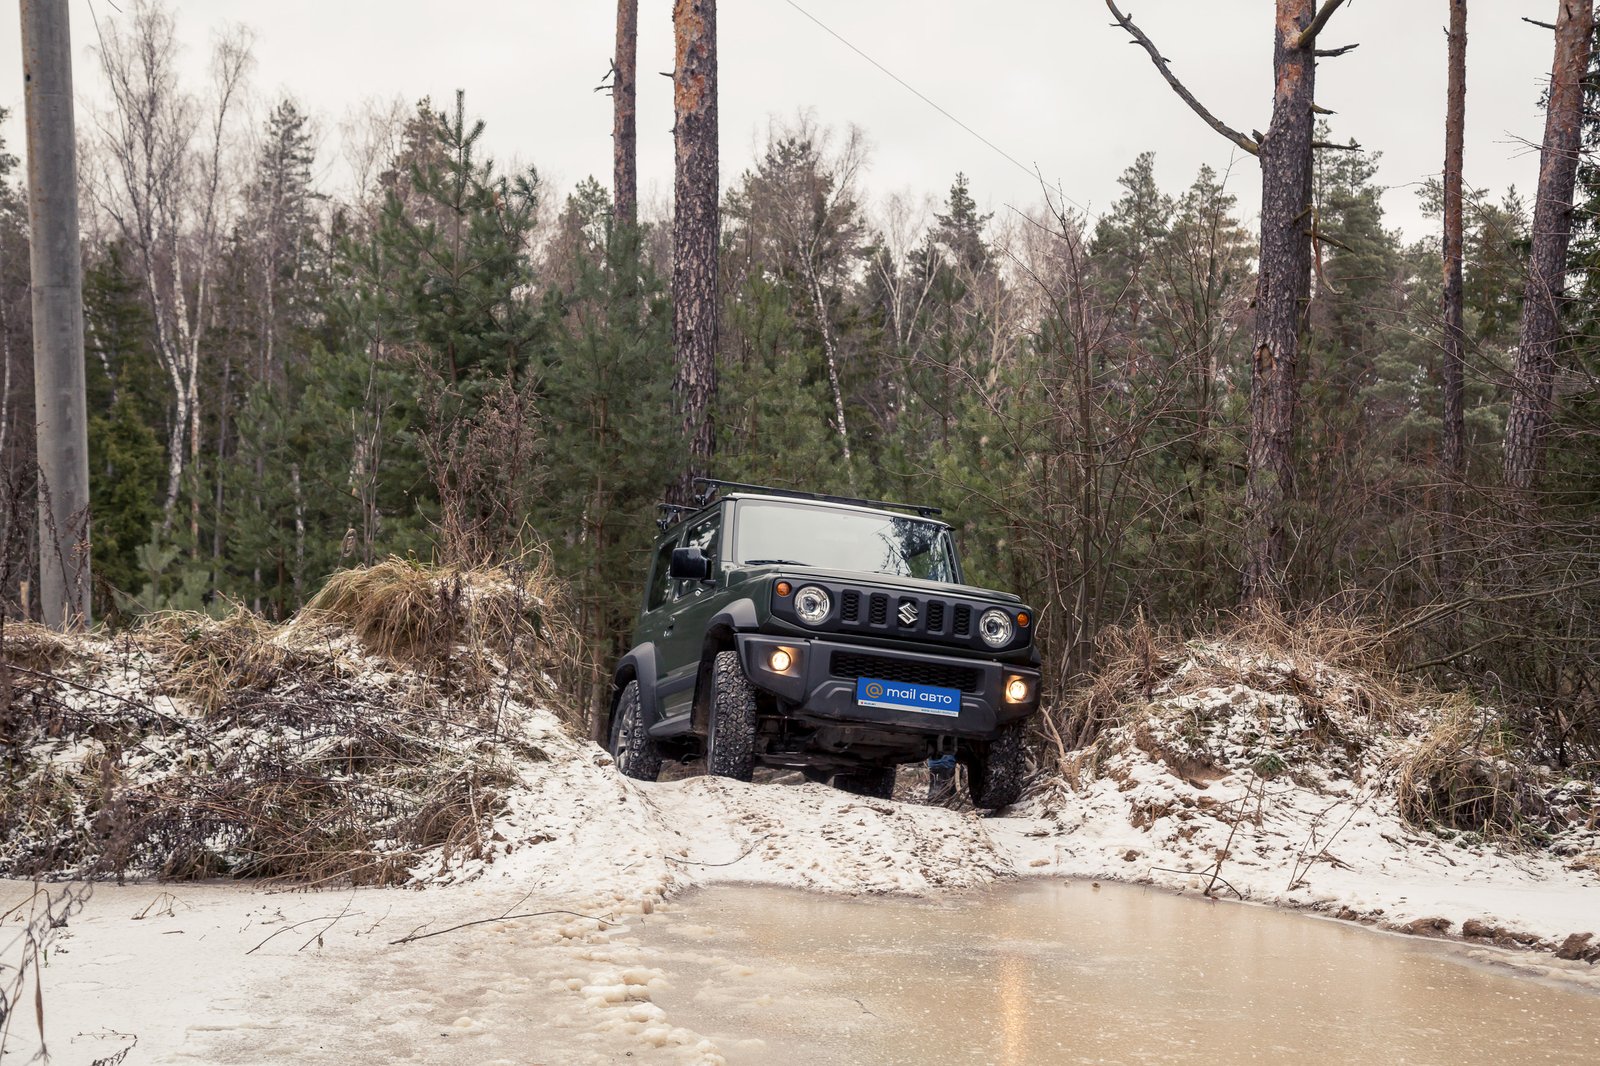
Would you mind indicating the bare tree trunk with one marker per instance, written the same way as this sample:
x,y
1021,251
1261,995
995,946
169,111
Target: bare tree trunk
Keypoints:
x,y
695,226
1453,454
1283,287
1283,291
1528,421
624,140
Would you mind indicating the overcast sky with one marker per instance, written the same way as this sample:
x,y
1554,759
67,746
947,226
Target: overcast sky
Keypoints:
x,y
1051,82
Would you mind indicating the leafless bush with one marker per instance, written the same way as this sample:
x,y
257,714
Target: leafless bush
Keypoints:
x,y
486,467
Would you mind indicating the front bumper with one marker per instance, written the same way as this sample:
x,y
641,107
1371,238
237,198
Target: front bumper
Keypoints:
x,y
820,685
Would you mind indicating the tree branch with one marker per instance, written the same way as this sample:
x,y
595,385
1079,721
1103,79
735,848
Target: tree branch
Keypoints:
x,y
1541,25
1335,53
1340,147
1319,20
1178,87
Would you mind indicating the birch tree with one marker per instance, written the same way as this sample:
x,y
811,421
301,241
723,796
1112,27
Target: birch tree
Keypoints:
x,y
162,185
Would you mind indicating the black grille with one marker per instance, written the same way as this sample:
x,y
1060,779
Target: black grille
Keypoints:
x,y
850,606
851,664
935,616
963,620
879,613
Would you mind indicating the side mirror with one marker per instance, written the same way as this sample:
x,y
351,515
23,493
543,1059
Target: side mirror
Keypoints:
x,y
690,563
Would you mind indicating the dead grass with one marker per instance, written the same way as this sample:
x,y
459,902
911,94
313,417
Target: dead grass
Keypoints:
x,y
1453,766
379,726
32,646
475,621
1465,774
1263,651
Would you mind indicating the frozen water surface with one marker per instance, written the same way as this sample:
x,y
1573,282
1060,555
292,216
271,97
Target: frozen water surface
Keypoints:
x,y
1035,972
1052,972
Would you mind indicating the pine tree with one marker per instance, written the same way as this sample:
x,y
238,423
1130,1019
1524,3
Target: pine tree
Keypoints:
x,y
126,395
605,400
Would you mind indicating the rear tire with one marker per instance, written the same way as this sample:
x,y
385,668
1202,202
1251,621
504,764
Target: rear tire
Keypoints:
x,y
874,781
635,751
731,744
995,777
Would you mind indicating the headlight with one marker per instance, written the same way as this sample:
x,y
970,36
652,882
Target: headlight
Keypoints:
x,y
812,604
996,627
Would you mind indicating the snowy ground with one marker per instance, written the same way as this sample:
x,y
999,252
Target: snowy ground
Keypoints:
x,y
1226,780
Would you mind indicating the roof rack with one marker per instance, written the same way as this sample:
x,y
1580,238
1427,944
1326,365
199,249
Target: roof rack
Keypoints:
x,y
672,512
714,484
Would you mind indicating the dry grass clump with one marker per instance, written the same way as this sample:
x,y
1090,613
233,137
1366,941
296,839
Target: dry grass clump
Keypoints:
x,y
208,661
477,622
1466,774
33,647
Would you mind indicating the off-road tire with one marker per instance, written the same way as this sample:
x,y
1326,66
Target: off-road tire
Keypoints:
x,y
731,742
875,781
635,750
994,777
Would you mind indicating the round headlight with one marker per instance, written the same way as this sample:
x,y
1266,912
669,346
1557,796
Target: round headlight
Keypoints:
x,y
811,604
996,627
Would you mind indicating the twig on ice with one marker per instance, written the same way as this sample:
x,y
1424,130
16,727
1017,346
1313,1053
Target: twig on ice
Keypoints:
x,y
502,918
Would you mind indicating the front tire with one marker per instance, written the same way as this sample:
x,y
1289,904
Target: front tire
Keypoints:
x,y
636,753
731,744
995,777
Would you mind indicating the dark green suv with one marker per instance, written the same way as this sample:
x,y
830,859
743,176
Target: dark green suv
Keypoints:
x,y
823,634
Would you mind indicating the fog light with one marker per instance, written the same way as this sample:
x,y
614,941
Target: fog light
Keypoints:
x,y
781,660
1016,690
783,588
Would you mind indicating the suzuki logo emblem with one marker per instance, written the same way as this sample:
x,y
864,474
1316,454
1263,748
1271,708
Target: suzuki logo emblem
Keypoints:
x,y
908,613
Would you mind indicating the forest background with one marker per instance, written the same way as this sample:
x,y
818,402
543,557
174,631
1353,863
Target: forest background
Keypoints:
x,y
443,359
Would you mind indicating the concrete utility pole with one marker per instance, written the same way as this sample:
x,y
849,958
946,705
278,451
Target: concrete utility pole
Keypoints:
x,y
63,439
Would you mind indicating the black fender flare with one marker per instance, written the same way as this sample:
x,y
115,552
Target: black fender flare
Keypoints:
x,y
737,617
638,665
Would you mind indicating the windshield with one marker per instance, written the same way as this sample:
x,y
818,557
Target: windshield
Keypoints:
x,y
773,532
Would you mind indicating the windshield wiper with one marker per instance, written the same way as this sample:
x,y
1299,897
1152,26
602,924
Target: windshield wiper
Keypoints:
x,y
778,562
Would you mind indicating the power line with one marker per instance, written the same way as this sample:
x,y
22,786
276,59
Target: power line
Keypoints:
x,y
914,90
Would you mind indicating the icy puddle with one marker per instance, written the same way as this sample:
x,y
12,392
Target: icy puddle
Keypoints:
x,y
1042,973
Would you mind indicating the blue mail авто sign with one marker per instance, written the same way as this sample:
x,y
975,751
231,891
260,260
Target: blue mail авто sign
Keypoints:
x,y
904,696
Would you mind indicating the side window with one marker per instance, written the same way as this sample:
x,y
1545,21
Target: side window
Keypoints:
x,y
659,582
706,536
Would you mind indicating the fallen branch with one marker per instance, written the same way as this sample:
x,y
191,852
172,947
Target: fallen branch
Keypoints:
x,y
1197,873
502,918
291,928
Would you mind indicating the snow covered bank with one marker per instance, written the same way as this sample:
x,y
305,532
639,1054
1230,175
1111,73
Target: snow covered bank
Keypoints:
x,y
1258,774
